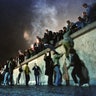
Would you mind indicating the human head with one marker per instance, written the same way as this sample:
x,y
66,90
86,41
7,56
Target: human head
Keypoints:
x,y
68,21
26,63
35,64
85,5
46,30
80,18
64,28
72,51
84,13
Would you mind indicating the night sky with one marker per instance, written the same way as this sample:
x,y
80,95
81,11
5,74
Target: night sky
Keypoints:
x,y
22,20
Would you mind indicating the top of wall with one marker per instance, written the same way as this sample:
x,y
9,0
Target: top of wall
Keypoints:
x,y
80,32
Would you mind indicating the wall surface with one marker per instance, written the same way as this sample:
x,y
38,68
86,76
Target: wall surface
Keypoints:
x,y
86,48
85,45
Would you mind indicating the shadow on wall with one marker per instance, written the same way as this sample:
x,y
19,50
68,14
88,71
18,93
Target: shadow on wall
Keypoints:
x,y
85,73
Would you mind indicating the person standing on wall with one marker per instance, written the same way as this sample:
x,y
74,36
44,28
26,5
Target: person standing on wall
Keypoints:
x,y
27,76
36,73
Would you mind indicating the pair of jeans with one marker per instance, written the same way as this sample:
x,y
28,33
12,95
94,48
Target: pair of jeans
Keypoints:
x,y
57,79
6,78
37,79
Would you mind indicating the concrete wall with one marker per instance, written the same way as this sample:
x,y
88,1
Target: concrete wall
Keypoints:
x,y
41,63
86,48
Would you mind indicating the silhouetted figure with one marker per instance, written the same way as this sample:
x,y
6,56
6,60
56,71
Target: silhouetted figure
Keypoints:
x,y
19,75
75,62
6,75
20,57
2,73
85,75
60,35
46,38
26,54
27,76
85,17
90,11
80,23
71,27
36,73
11,65
64,30
49,67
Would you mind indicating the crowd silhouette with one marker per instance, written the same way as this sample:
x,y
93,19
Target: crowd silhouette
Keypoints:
x,y
49,40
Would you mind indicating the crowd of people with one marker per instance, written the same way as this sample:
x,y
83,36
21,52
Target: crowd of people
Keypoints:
x,y
50,40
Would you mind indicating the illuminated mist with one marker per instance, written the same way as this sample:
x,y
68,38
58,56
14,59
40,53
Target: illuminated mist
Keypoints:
x,y
45,17
22,20
53,14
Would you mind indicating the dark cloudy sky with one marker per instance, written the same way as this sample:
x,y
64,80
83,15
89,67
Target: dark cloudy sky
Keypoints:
x,y
22,20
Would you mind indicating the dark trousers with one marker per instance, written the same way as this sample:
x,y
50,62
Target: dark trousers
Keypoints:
x,y
76,72
27,78
11,78
37,79
50,79
19,76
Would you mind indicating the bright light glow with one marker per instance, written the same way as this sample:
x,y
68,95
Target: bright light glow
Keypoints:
x,y
37,41
26,36
32,46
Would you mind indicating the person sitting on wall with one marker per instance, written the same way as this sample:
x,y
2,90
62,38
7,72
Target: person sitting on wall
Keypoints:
x,y
85,17
80,23
90,11
20,57
71,27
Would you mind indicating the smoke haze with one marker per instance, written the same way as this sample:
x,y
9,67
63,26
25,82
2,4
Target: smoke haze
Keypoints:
x,y
22,20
